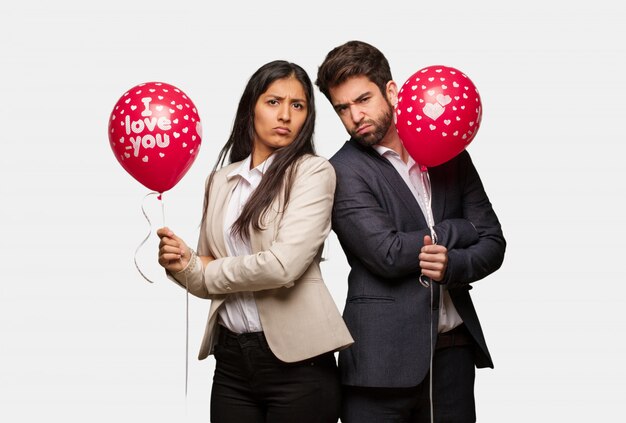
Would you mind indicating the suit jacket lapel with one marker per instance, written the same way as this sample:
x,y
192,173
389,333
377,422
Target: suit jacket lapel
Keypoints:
x,y
220,201
395,181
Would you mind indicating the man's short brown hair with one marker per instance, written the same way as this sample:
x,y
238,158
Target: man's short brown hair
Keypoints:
x,y
354,58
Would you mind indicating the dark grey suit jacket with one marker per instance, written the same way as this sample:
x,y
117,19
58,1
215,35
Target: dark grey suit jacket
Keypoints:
x,y
381,229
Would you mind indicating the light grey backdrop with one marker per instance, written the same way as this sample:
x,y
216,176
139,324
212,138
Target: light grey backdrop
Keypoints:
x,y
83,337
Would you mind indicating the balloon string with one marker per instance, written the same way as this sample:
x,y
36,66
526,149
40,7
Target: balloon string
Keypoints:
x,y
186,341
147,236
186,331
428,215
429,200
425,281
160,197
432,354
432,351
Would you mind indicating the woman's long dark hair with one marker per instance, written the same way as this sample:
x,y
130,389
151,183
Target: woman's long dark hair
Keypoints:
x,y
241,141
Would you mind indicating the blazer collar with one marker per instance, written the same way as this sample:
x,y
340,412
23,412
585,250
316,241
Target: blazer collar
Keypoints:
x,y
224,187
437,182
394,181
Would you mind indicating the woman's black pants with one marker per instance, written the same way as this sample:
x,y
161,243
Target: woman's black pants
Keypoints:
x,y
251,385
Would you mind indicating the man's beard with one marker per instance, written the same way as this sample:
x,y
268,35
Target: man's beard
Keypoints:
x,y
381,127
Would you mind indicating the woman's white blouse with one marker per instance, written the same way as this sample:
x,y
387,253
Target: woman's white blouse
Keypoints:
x,y
239,312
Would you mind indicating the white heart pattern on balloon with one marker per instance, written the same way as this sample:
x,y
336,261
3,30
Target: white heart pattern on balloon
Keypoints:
x,y
436,92
150,128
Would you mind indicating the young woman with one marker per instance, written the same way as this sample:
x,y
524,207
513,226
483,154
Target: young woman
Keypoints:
x,y
273,325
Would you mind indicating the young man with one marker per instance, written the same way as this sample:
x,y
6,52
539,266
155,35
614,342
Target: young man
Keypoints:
x,y
380,216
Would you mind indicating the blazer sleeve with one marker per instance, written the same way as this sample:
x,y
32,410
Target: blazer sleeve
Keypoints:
x,y
476,261
193,279
304,225
367,230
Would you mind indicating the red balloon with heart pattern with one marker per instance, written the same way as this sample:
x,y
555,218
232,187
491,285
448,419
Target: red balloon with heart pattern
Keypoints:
x,y
155,133
437,114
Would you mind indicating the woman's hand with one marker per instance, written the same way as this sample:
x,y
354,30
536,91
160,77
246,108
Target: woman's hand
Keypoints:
x,y
174,254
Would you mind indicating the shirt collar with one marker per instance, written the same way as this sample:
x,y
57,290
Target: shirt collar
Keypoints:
x,y
386,151
244,171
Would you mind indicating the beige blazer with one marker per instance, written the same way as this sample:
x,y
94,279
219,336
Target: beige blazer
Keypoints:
x,y
299,316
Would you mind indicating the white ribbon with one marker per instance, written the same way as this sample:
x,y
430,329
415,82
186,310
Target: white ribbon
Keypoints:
x,y
160,198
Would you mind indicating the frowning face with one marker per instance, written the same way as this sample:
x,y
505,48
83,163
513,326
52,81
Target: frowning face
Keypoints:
x,y
279,114
364,111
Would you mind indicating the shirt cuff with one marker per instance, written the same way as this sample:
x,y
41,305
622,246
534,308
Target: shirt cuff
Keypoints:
x,y
191,275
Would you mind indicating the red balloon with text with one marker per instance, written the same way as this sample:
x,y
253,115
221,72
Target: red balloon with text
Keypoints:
x,y
437,114
155,133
